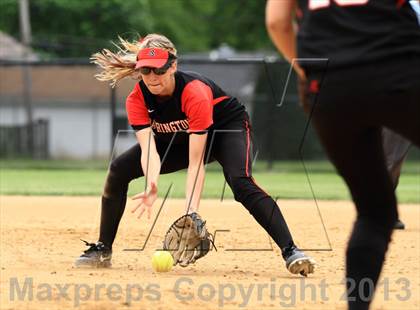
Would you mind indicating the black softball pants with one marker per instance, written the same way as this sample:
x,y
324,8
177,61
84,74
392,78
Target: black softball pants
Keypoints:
x,y
230,145
396,150
348,113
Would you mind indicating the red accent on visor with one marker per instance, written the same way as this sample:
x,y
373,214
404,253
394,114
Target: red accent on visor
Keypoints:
x,y
152,57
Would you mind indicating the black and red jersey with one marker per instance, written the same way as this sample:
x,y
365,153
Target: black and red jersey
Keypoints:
x,y
348,32
197,104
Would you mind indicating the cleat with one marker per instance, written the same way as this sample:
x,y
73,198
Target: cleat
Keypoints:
x,y
97,256
399,225
298,262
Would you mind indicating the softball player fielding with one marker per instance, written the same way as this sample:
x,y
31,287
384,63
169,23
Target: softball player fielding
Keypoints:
x,y
177,113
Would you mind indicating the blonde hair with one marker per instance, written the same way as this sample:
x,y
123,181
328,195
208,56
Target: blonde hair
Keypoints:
x,y
121,64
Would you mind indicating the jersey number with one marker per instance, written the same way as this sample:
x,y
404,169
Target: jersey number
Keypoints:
x,y
318,4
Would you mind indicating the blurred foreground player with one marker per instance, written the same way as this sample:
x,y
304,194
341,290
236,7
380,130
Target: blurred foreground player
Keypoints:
x,y
362,67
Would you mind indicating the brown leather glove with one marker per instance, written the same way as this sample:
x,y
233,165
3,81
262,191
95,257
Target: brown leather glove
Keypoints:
x,y
188,239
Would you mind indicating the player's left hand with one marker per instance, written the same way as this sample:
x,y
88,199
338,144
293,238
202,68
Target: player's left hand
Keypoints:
x,y
147,198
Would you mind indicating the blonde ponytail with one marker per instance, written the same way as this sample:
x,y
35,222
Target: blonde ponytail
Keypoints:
x,y
121,64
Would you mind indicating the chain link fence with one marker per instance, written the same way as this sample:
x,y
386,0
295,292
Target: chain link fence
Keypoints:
x,y
81,116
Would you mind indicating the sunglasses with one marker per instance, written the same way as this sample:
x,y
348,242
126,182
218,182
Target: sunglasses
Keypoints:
x,y
157,71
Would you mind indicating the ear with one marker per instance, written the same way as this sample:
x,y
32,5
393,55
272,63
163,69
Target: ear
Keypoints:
x,y
173,67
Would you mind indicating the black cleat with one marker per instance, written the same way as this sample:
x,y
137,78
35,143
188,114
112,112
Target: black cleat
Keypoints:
x,y
399,225
97,256
298,262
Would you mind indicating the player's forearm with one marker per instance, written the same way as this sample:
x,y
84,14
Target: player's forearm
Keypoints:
x,y
150,159
194,185
196,171
284,38
150,164
279,23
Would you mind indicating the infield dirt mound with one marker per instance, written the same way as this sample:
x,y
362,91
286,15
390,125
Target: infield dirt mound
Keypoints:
x,y
40,241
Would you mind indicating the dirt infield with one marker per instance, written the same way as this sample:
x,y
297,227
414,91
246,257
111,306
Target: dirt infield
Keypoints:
x,y
40,240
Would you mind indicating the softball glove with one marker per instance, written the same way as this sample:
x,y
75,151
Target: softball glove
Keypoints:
x,y
187,239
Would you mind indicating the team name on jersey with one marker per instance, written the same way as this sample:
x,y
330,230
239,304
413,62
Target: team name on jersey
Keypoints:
x,y
170,127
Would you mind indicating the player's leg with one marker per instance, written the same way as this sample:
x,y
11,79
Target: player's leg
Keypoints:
x,y
403,122
395,150
358,156
121,172
348,121
233,151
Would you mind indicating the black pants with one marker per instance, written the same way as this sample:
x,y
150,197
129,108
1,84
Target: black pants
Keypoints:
x,y
231,147
348,113
395,146
395,149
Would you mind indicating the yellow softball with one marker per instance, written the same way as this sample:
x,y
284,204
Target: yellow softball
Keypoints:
x,y
162,261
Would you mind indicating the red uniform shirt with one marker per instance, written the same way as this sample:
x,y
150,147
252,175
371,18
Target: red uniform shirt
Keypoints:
x,y
197,104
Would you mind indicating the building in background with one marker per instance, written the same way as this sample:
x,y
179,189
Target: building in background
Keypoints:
x,y
11,49
77,108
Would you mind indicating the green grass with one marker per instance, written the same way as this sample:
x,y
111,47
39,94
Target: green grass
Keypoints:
x,y
286,180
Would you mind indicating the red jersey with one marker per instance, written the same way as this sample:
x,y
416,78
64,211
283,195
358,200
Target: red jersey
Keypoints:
x,y
197,104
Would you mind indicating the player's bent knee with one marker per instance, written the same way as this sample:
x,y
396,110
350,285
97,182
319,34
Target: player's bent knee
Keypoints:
x,y
116,166
117,181
244,189
379,231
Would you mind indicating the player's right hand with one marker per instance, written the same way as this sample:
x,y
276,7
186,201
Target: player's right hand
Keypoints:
x,y
147,198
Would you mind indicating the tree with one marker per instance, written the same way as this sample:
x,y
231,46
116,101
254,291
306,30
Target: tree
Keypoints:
x,y
78,28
